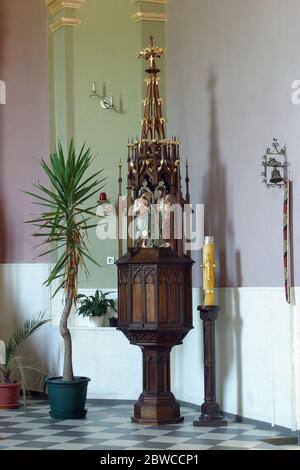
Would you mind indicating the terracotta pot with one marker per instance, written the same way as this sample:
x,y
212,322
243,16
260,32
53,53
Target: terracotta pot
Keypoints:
x,y
9,396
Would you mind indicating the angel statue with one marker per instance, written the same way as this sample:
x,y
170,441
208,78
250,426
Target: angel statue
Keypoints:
x,y
164,204
141,213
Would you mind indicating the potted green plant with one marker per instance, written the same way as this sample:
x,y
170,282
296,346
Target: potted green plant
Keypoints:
x,y
9,388
63,225
96,306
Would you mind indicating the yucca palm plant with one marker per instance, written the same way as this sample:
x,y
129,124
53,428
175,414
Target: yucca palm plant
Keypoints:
x,y
18,336
64,225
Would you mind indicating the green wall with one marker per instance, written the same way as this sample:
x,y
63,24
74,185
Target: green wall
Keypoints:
x,y
104,47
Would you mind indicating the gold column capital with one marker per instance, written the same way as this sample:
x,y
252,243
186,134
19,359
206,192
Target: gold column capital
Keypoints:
x,y
63,21
150,10
146,16
55,6
163,2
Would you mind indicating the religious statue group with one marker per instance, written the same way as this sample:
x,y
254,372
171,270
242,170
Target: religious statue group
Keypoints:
x,y
151,213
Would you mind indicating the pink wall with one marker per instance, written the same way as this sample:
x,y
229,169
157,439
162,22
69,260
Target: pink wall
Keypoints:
x,y
24,120
230,67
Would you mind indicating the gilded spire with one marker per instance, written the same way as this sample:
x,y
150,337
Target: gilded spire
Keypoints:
x,y
153,124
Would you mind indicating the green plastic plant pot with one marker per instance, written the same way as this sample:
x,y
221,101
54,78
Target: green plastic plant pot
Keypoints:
x,y
67,399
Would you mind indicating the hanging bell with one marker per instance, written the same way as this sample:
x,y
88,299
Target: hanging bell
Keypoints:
x,y
276,177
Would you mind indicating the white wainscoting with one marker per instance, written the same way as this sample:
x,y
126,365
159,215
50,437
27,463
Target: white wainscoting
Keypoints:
x,y
103,354
258,348
257,357
22,297
258,338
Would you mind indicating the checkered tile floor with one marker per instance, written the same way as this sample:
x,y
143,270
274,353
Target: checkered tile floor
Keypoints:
x,y
108,427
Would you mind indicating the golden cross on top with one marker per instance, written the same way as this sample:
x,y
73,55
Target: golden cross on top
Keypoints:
x,y
152,52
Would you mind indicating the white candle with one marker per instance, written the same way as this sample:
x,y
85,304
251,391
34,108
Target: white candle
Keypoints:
x,y
94,86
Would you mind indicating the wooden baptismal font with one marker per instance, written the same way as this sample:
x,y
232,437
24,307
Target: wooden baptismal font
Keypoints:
x,y
154,276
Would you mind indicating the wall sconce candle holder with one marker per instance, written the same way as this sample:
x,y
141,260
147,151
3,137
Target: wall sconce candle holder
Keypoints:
x,y
275,166
106,102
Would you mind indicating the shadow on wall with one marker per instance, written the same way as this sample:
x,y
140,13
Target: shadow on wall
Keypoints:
x,y
218,223
215,196
3,232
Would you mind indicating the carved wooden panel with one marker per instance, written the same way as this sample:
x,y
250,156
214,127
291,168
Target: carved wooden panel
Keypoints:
x,y
175,297
174,336
163,295
137,296
150,294
123,296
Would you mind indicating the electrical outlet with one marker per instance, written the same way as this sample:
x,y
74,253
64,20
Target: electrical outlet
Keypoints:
x,y
110,260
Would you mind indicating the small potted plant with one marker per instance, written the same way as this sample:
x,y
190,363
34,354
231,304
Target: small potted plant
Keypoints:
x,y
10,389
96,307
63,224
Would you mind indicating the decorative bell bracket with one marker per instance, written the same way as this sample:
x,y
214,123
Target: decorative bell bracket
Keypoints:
x,y
273,162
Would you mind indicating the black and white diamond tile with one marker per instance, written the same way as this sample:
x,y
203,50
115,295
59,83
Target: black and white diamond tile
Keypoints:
x,y
110,428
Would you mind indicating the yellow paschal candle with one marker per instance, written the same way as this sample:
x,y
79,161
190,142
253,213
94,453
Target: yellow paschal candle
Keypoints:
x,y
208,271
